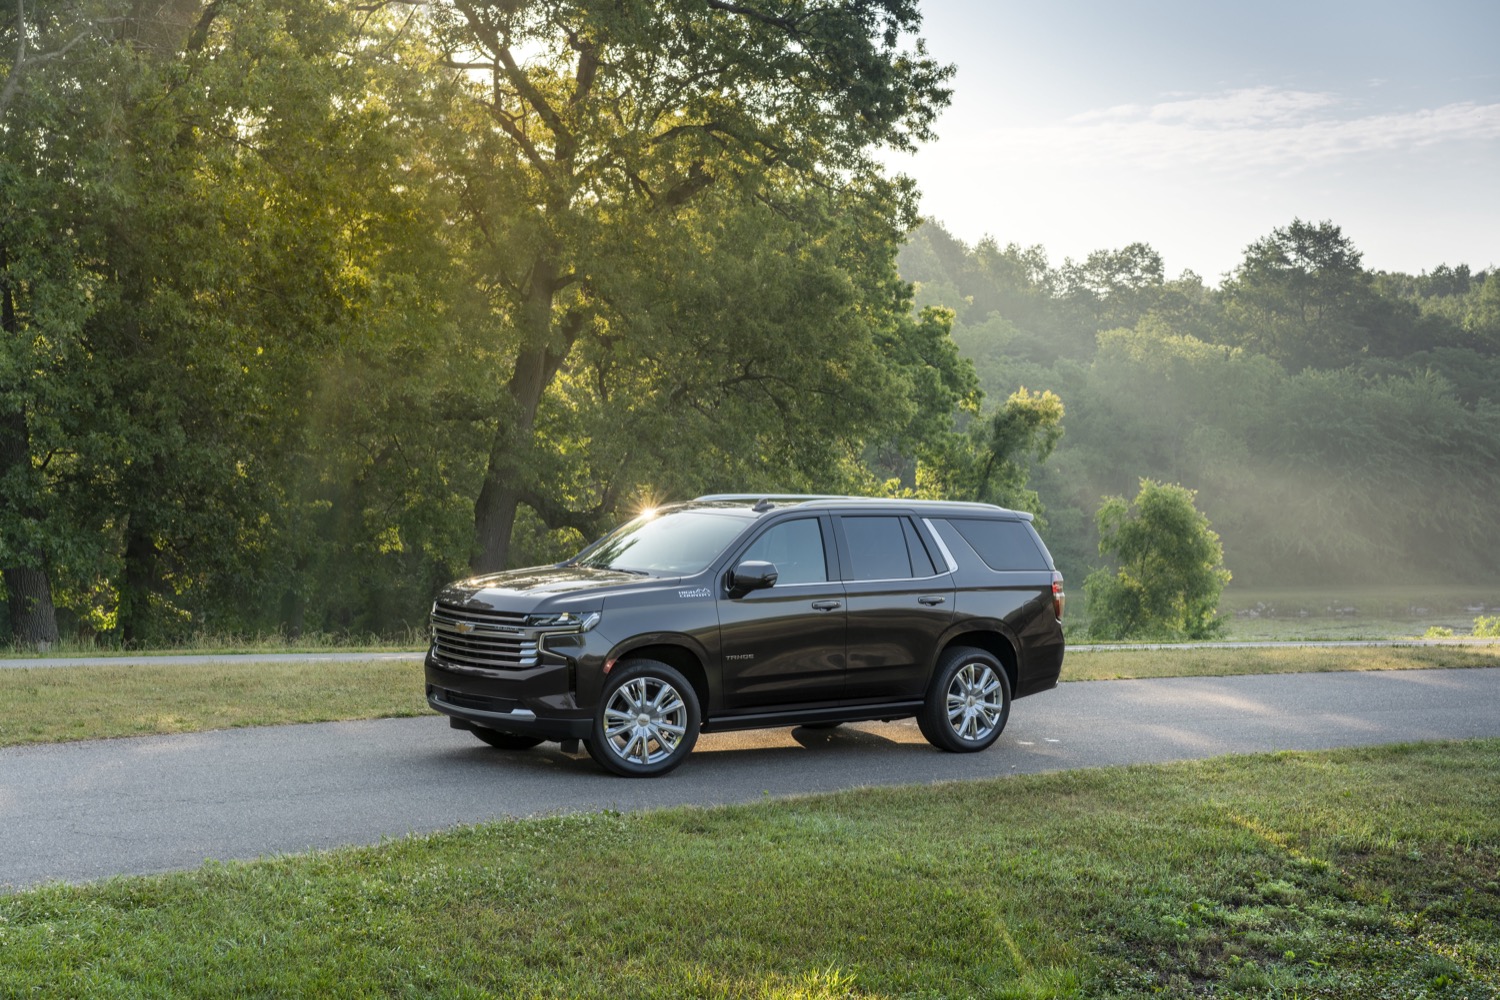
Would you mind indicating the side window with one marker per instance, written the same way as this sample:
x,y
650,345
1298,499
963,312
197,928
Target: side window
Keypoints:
x,y
796,547
877,549
1003,545
921,559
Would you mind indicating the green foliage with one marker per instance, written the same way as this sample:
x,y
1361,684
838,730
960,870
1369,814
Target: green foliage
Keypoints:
x,y
300,320
1487,627
992,462
1379,452
1171,568
1438,632
681,235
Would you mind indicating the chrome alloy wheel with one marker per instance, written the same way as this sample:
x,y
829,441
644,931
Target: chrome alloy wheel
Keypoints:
x,y
975,702
645,721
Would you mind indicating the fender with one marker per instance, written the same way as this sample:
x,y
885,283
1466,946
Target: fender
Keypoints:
x,y
708,662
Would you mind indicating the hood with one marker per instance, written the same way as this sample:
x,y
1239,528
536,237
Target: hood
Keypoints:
x,y
524,589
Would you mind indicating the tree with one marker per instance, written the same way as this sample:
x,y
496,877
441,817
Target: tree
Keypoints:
x,y
992,461
1171,569
598,129
48,158
1116,287
1301,296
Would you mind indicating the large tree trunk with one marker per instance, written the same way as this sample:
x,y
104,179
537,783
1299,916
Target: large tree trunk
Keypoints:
x,y
505,479
33,619
137,585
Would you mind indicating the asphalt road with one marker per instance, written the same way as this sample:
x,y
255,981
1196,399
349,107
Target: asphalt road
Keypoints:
x,y
82,811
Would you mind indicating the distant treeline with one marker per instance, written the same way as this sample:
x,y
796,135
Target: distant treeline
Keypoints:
x,y
1339,424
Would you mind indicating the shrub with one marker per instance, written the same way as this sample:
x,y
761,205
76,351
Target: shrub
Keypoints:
x,y
1487,628
1171,568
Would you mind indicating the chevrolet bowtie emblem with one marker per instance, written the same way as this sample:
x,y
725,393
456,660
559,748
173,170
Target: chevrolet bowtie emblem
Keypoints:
x,y
465,627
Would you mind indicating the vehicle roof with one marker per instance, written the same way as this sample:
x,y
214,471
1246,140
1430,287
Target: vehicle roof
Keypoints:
x,y
782,501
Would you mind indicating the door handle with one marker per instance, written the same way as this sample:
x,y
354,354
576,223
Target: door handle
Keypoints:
x,y
826,605
931,600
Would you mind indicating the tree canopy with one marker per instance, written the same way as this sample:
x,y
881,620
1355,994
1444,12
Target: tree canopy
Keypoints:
x,y
309,306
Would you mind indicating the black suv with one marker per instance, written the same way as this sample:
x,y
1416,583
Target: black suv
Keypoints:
x,y
743,612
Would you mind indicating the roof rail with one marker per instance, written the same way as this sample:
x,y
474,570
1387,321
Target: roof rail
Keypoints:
x,y
771,496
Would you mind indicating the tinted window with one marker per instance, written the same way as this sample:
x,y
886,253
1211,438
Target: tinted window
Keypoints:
x,y
877,548
677,542
921,559
796,548
1003,545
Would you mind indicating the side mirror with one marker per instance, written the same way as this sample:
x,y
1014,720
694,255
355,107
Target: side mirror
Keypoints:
x,y
753,575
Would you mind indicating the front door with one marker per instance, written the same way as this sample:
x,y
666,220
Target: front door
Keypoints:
x,y
784,645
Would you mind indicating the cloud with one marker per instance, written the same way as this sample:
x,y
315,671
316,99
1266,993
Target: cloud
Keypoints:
x,y
1258,129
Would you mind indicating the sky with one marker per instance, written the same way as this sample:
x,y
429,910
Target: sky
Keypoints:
x,y
1200,127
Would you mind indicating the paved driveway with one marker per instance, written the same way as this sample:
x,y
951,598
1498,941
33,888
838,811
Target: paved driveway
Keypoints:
x,y
86,810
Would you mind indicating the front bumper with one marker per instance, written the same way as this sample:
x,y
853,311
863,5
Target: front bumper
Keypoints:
x,y
554,699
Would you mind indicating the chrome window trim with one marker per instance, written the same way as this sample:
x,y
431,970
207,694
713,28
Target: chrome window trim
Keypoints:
x,y
942,545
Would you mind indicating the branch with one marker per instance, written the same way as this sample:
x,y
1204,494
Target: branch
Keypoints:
x,y
678,194
554,515
791,26
22,60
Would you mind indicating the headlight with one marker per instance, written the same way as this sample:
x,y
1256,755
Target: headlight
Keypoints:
x,y
565,619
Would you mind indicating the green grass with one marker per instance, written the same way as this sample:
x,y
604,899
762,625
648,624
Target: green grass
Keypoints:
x,y
1365,612
265,642
1354,873
52,704
1193,661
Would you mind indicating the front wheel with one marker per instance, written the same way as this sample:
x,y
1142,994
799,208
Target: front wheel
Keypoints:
x,y
968,702
647,721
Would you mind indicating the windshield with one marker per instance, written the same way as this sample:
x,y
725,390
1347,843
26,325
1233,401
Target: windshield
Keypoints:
x,y
676,543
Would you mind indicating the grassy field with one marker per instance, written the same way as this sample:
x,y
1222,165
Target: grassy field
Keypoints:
x,y
53,704
269,642
1191,661
1354,873
1369,612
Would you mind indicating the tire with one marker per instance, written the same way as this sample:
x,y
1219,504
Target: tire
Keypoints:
x,y
647,720
506,741
968,702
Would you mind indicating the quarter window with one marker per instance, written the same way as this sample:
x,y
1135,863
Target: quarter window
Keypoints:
x,y
1003,545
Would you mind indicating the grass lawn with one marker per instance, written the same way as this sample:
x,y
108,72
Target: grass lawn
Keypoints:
x,y
1192,661
1352,873
55,704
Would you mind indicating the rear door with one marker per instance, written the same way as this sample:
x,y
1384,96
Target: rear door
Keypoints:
x,y
900,597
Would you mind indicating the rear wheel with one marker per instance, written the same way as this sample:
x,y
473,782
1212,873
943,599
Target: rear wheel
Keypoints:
x,y
647,721
968,702
506,741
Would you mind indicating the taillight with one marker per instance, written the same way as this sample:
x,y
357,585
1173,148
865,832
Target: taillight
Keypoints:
x,y
1059,599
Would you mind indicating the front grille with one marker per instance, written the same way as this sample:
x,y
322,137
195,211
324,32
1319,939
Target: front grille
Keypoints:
x,y
490,640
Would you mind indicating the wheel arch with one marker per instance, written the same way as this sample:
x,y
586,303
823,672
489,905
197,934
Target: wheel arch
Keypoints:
x,y
992,641
679,657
